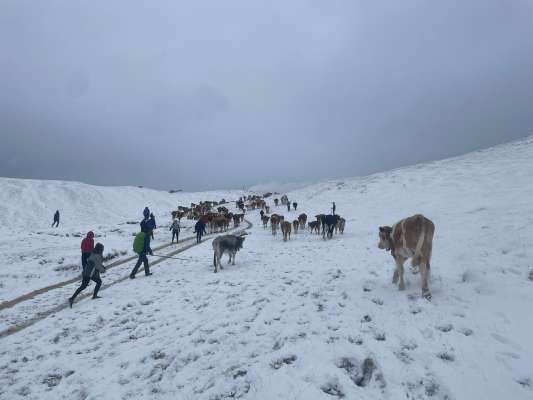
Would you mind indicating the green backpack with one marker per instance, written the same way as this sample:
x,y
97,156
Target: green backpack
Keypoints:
x,y
138,242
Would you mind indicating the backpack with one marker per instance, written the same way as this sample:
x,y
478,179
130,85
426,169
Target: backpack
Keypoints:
x,y
138,242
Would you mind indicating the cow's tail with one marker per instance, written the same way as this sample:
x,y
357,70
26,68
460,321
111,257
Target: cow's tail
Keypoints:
x,y
417,258
214,259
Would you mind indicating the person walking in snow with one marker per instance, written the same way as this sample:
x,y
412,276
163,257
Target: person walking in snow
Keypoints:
x,y
146,249
294,205
175,228
56,219
288,205
333,208
87,247
93,267
152,224
199,229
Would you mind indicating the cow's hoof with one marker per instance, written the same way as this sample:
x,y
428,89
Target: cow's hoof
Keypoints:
x,y
401,286
427,296
394,279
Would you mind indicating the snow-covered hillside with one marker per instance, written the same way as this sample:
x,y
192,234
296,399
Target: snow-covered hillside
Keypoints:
x,y
314,319
36,255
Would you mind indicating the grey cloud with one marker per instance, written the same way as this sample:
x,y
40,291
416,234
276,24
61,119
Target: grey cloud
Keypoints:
x,y
227,94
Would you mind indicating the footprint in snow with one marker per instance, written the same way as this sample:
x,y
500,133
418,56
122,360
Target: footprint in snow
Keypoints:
x,y
444,327
466,331
377,301
280,362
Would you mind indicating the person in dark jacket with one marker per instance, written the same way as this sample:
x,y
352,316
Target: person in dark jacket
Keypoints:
x,y
294,205
91,271
143,259
175,228
87,247
288,205
199,229
152,224
56,219
333,208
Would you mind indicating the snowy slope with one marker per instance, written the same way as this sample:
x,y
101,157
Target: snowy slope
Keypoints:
x,y
36,255
314,319
26,203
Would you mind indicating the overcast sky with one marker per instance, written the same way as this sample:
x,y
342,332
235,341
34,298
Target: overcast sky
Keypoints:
x,y
225,94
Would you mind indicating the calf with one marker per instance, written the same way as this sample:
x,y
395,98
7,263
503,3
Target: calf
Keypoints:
x,y
274,222
339,228
314,226
286,230
227,243
265,220
410,238
321,218
295,225
302,219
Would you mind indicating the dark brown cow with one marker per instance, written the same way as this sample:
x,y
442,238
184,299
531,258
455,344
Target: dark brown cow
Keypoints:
x,y
302,219
314,226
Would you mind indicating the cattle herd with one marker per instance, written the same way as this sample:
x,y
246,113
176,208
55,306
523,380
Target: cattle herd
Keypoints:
x,y
409,238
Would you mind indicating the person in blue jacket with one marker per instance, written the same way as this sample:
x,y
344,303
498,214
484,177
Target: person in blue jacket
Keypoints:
x,y
199,229
143,259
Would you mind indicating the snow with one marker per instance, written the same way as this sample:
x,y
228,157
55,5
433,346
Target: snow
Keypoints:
x,y
303,319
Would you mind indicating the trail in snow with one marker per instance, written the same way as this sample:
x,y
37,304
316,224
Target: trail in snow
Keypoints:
x,y
50,300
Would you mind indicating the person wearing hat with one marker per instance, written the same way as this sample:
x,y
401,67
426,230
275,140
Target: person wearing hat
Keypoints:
x,y
91,271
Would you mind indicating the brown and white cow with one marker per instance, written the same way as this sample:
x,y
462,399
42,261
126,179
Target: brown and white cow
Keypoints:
x,y
410,238
286,230
339,227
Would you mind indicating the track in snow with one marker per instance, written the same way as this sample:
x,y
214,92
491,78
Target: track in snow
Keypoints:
x,y
56,297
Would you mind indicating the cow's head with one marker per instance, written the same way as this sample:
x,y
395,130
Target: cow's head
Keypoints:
x,y
240,241
385,240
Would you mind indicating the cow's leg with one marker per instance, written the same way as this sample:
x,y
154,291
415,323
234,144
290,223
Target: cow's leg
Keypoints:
x,y
399,270
424,275
395,276
234,258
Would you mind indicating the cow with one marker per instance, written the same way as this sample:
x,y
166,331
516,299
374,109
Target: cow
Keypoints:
x,y
339,228
267,209
274,222
236,220
321,218
295,225
227,243
302,219
286,230
265,219
314,225
276,202
330,221
411,237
